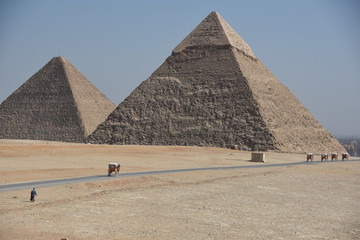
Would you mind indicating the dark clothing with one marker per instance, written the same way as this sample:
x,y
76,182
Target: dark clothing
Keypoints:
x,y
33,194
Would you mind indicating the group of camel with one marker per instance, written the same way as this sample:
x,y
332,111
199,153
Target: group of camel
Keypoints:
x,y
325,157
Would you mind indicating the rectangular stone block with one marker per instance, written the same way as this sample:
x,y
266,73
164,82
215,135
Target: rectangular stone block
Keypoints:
x,y
258,157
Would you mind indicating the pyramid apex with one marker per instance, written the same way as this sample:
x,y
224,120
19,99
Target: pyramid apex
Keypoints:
x,y
214,31
59,58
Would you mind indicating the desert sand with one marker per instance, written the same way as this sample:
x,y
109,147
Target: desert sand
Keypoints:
x,y
311,201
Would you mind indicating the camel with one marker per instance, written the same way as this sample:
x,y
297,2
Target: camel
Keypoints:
x,y
334,155
345,156
324,156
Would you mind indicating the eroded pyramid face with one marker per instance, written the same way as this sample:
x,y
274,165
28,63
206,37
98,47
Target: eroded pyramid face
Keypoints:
x,y
213,91
57,103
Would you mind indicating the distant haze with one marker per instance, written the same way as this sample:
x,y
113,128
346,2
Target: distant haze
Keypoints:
x,y
310,46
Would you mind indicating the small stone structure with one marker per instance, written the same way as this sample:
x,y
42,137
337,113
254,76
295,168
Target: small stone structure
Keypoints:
x,y
258,157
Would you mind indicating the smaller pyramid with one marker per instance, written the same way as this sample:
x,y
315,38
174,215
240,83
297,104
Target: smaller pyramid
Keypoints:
x,y
57,103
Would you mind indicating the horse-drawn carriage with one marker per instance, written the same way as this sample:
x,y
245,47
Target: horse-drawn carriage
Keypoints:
x,y
114,167
345,156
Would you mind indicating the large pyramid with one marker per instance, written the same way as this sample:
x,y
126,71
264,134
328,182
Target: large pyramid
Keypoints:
x,y
213,91
57,103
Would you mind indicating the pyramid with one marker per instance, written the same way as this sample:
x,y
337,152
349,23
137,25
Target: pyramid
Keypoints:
x,y
214,91
57,103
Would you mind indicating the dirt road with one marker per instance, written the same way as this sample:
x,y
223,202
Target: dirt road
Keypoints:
x,y
56,182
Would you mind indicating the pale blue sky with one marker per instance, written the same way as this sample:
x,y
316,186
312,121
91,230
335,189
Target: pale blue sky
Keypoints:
x,y
312,47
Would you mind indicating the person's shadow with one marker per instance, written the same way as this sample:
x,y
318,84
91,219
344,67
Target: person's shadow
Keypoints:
x,y
27,201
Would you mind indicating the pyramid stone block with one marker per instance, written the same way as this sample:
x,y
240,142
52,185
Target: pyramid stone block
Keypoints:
x,y
213,91
57,103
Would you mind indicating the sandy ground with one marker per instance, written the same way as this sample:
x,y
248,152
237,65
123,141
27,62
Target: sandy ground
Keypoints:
x,y
314,201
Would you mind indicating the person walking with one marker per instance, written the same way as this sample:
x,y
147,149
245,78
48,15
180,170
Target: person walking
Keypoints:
x,y
33,194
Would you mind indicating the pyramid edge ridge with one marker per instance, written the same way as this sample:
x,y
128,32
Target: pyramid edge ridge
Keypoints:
x,y
63,62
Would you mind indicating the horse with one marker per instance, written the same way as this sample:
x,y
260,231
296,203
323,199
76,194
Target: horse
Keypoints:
x,y
309,156
345,156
